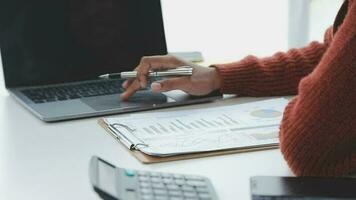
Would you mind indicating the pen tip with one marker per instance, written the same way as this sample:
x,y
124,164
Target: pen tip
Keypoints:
x,y
104,76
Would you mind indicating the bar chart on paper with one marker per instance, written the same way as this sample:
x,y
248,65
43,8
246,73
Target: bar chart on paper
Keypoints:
x,y
199,130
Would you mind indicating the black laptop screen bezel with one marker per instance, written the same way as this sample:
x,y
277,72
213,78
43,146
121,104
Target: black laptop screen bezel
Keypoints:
x,y
20,71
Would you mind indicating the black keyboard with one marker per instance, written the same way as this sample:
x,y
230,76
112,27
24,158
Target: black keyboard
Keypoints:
x,y
73,91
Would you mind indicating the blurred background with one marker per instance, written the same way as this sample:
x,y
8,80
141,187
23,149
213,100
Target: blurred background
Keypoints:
x,y
228,30
225,30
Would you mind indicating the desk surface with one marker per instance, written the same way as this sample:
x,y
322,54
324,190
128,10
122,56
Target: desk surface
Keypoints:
x,y
43,161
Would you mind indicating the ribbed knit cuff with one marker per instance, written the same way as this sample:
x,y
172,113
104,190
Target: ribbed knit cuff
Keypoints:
x,y
236,77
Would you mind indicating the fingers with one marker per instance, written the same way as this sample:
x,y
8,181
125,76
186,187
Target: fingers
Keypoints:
x,y
131,89
155,63
182,83
127,83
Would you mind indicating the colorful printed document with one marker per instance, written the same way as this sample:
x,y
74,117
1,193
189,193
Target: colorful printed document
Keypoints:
x,y
201,130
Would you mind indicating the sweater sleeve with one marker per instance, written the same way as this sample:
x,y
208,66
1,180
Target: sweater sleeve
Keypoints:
x,y
318,130
276,75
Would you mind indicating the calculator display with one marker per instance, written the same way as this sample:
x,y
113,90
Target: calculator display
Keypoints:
x,y
106,178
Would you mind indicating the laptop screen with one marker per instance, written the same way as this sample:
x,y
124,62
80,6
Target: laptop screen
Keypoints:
x,y
47,42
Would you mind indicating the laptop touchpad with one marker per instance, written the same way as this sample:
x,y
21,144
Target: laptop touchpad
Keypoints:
x,y
140,99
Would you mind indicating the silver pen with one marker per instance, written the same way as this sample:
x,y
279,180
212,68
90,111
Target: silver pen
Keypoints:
x,y
180,71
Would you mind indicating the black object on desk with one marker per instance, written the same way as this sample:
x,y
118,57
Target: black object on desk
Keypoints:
x,y
302,188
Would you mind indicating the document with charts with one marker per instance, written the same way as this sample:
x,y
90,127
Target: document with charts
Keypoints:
x,y
200,130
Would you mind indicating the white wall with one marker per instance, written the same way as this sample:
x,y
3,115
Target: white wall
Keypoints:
x,y
230,29
322,15
226,29
308,20
298,23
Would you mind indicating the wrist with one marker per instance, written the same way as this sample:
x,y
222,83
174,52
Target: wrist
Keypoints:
x,y
216,78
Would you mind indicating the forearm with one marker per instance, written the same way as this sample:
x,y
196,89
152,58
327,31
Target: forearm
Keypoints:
x,y
276,75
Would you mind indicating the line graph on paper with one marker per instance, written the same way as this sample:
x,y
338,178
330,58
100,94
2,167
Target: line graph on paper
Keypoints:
x,y
216,141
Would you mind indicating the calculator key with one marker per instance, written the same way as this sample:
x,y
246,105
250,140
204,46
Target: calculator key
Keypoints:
x,y
191,198
176,198
187,188
174,193
142,173
145,185
143,179
147,197
166,175
158,186
168,180
196,183
190,194
179,181
154,174
204,196
202,189
146,191
178,176
172,187
192,177
160,192
161,197
156,180
130,172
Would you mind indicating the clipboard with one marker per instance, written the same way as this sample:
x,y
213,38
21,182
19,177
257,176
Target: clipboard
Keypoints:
x,y
147,159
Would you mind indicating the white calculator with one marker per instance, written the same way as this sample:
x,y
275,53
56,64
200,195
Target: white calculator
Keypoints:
x,y
111,183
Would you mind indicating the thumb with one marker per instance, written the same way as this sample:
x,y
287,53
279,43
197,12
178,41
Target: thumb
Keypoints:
x,y
181,83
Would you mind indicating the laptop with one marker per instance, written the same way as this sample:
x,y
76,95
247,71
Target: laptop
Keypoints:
x,y
53,52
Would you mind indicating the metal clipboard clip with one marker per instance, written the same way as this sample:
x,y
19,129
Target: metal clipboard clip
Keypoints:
x,y
125,135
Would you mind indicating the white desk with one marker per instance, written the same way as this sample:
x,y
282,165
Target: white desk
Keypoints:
x,y
50,161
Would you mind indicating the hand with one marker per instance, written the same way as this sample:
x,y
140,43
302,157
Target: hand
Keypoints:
x,y
203,80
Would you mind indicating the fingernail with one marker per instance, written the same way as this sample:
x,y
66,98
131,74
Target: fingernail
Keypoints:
x,y
124,85
142,85
156,87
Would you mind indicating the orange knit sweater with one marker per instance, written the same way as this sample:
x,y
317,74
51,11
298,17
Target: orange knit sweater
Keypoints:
x,y
318,130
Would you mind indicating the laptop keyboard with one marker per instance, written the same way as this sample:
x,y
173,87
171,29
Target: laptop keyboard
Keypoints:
x,y
73,91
